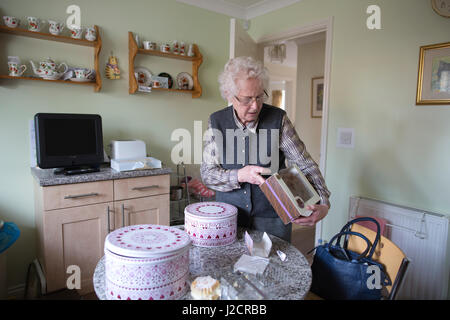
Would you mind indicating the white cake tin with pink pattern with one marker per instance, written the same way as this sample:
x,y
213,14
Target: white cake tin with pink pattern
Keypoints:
x,y
211,224
146,262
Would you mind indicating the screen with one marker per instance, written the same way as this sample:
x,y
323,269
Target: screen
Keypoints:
x,y
69,137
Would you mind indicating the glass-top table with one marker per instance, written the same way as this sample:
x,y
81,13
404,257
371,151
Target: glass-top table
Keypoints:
x,y
282,280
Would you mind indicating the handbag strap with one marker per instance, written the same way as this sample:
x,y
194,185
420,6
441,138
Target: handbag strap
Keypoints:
x,y
343,249
348,226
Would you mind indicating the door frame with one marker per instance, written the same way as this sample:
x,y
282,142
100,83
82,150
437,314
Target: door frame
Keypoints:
x,y
326,26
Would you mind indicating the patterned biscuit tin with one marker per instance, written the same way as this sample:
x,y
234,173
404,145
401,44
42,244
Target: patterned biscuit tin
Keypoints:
x,y
146,262
211,224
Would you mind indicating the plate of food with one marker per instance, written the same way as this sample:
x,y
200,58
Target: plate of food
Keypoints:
x,y
185,81
169,77
143,76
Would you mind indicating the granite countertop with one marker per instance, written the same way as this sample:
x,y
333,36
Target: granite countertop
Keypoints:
x,y
282,280
46,177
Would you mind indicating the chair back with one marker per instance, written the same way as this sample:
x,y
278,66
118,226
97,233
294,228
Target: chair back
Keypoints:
x,y
387,253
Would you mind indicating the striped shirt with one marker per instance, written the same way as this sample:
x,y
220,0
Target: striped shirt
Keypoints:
x,y
217,178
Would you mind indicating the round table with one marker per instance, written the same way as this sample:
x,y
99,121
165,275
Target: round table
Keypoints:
x,y
281,280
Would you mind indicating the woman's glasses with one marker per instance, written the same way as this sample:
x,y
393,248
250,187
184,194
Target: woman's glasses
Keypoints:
x,y
247,101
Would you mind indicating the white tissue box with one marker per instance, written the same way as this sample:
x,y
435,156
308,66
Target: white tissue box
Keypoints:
x,y
128,149
136,164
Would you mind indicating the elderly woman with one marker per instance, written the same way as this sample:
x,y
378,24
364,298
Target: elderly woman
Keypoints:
x,y
232,161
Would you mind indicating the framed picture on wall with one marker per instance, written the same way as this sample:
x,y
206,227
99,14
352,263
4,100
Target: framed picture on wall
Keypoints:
x,y
316,97
433,81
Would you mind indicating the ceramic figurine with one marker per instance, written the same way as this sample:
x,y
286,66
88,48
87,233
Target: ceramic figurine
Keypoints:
x,y
112,69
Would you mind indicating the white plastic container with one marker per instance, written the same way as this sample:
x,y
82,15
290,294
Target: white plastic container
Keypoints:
x,y
211,224
146,262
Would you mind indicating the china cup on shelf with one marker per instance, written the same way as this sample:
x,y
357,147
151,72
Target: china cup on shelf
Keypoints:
x,y
15,69
156,84
165,48
11,22
76,32
35,24
149,45
176,47
55,27
91,34
83,74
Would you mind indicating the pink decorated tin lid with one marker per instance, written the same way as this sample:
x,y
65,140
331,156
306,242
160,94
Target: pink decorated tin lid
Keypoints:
x,y
211,210
147,240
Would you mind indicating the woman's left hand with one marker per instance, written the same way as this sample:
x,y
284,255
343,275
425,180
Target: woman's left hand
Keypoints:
x,y
319,211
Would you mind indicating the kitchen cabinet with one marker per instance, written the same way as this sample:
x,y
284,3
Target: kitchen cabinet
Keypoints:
x,y
74,219
142,200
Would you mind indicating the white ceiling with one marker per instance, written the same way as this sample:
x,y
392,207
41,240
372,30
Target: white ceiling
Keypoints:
x,y
241,9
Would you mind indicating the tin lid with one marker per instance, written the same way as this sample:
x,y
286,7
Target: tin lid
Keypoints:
x,y
147,240
211,210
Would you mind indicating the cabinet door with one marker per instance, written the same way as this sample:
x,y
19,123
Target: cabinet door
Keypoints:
x,y
75,236
148,210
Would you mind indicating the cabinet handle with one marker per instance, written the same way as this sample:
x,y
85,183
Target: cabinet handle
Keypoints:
x,y
146,187
93,194
123,215
107,213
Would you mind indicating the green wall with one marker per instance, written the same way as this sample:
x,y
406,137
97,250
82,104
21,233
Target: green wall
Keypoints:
x,y
150,117
402,152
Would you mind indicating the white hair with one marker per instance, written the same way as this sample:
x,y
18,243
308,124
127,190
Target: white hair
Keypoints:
x,y
241,68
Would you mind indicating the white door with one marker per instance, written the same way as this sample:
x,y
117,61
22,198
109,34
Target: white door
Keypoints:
x,y
242,44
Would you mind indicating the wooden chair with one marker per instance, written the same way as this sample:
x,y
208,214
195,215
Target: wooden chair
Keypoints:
x,y
387,253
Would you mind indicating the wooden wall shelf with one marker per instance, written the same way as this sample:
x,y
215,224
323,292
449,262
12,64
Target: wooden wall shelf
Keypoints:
x,y
196,60
97,45
40,79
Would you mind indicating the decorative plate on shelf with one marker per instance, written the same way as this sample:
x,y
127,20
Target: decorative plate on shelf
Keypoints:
x,y
143,76
168,76
185,81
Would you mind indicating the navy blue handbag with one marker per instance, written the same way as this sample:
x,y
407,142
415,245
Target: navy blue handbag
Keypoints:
x,y
341,274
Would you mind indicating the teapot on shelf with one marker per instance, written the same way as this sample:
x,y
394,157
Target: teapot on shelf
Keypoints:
x,y
48,69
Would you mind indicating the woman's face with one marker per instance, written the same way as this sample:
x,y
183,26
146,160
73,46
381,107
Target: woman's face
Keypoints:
x,y
249,100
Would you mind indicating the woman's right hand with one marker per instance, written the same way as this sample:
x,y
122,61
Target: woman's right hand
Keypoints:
x,y
252,174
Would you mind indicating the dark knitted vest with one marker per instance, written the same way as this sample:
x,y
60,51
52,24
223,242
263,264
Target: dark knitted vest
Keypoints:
x,y
244,148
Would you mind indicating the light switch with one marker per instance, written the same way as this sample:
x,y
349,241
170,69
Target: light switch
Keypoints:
x,y
346,138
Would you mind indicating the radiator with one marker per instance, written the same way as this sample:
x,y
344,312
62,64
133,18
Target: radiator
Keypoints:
x,y
423,237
